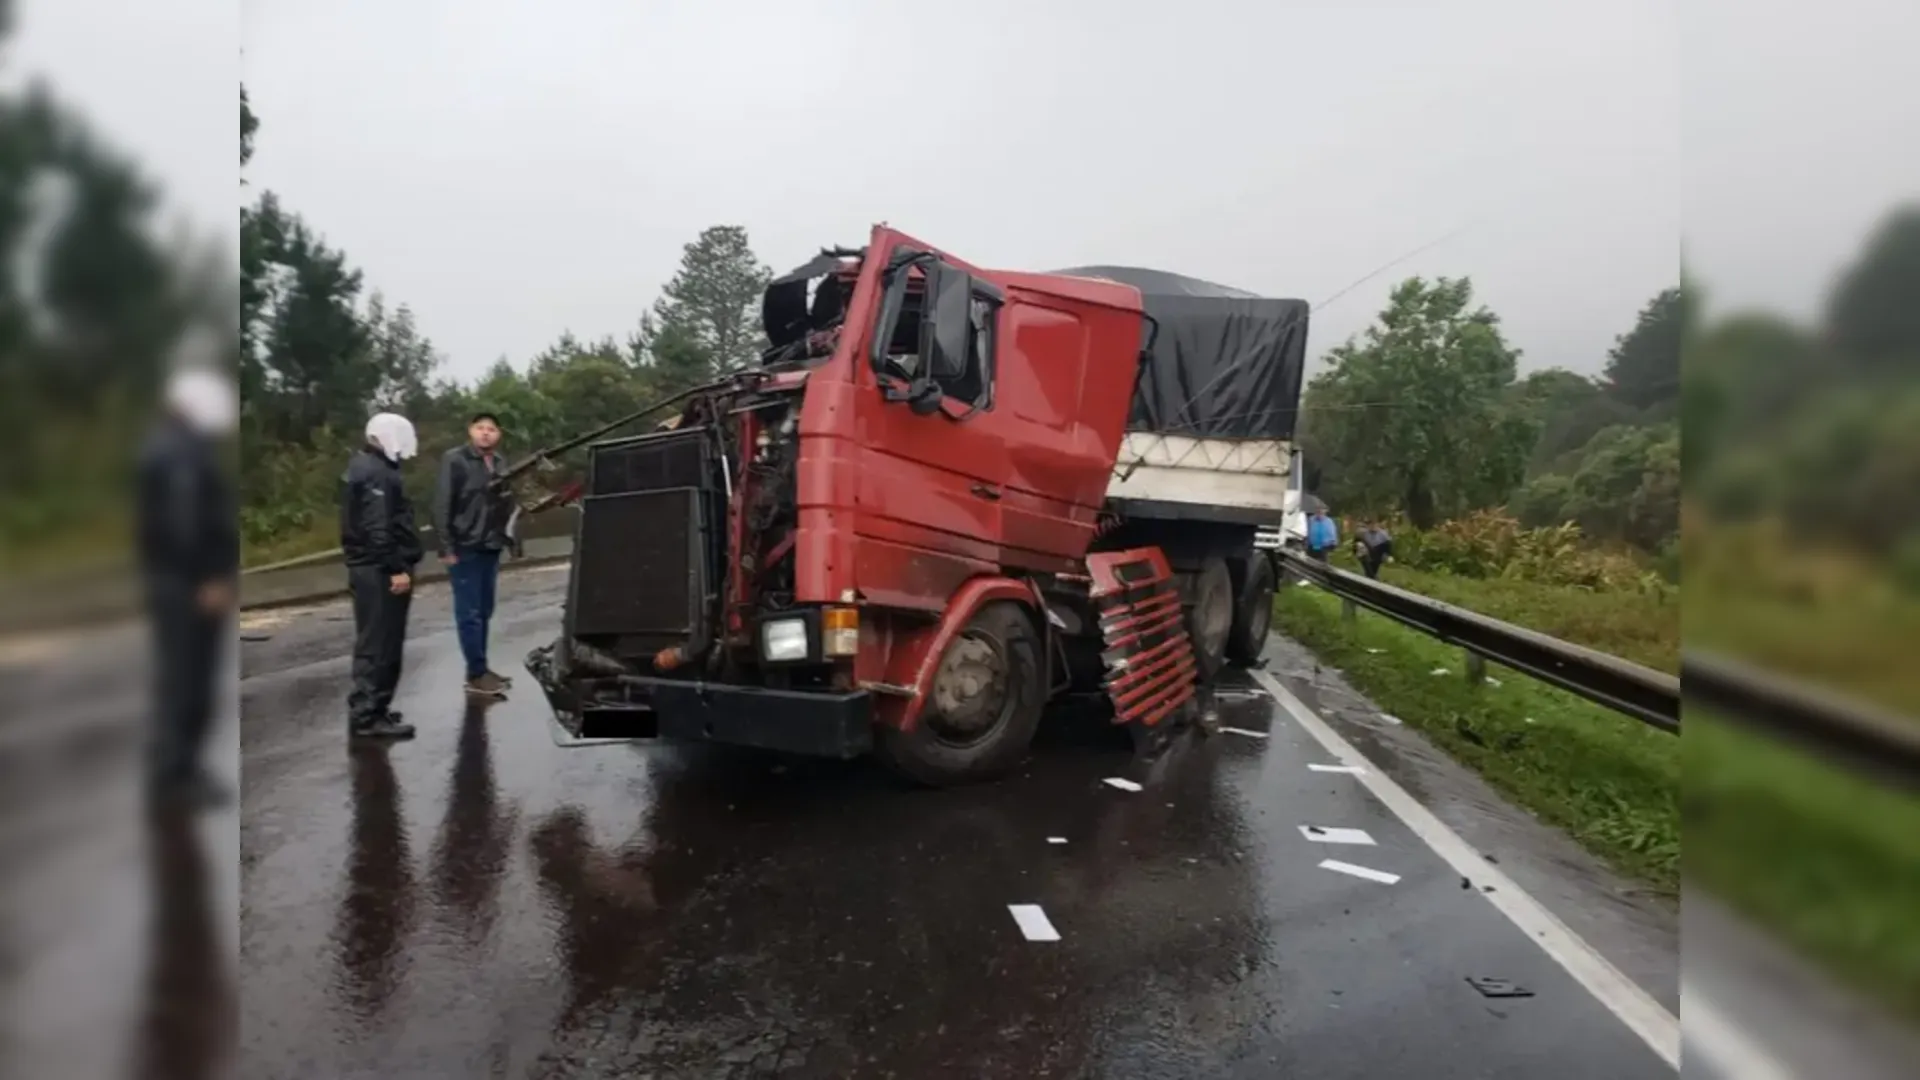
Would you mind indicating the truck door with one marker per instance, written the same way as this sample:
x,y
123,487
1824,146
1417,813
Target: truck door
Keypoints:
x,y
933,457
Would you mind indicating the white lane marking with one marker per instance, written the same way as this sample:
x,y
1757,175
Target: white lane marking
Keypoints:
x,y
1033,922
1636,1008
1056,839
1244,731
1354,770
1320,835
1370,874
1121,783
1728,1050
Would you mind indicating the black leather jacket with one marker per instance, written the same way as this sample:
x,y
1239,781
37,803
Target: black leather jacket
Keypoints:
x,y
376,518
467,515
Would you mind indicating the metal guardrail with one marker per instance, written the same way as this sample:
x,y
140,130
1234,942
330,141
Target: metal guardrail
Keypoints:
x,y
1650,696
1874,742
1870,741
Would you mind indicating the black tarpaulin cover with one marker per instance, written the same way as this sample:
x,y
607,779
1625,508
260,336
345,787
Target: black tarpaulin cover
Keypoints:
x,y
1227,363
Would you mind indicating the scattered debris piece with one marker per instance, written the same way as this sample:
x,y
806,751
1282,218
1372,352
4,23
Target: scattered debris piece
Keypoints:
x,y
1368,873
1464,883
1376,652
1122,783
1390,718
1033,922
1498,988
256,637
1056,839
1353,770
1320,835
1244,731
1439,671
1491,681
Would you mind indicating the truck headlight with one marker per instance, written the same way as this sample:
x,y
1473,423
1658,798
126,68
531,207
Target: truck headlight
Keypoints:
x,y
782,640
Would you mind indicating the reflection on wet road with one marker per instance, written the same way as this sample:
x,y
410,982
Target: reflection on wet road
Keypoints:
x,y
481,903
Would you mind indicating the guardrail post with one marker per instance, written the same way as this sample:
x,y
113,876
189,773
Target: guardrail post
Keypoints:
x,y
1476,668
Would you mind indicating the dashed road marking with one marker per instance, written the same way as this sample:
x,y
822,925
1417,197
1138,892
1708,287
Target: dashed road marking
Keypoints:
x,y
1033,922
1369,873
1634,1007
1322,835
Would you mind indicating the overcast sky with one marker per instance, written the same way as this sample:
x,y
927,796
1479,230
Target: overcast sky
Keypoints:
x,y
515,169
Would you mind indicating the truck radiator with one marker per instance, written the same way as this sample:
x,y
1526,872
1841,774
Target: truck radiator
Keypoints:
x,y
647,558
1149,661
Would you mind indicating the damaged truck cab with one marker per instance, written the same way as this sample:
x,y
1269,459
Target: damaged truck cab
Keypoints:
x,y
930,510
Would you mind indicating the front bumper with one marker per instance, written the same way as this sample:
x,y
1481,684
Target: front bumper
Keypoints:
x,y
637,707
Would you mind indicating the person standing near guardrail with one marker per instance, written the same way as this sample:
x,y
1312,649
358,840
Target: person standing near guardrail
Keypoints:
x,y
1373,546
1322,534
382,547
469,530
189,560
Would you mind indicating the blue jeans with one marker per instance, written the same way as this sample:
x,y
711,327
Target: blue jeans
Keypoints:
x,y
472,577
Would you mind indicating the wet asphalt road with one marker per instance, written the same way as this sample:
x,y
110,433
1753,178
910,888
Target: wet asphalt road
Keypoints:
x,y
482,903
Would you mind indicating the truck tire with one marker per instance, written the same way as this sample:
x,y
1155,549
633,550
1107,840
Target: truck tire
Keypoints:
x,y
1253,615
1210,614
980,715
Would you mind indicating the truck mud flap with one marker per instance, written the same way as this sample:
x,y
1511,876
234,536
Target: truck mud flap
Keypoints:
x,y
1150,666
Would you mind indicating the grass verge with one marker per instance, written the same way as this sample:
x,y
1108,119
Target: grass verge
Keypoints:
x,y
1829,861
1608,781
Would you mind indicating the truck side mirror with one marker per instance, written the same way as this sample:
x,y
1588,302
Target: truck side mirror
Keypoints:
x,y
946,321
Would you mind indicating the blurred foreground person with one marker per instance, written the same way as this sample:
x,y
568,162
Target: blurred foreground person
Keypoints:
x,y
470,529
189,551
1322,534
381,546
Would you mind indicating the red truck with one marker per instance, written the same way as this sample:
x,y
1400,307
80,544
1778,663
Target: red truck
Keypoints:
x,y
946,496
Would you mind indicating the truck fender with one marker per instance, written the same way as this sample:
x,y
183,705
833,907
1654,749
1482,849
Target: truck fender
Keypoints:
x,y
975,594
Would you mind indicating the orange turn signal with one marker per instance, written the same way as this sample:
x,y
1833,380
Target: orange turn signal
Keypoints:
x,y
839,631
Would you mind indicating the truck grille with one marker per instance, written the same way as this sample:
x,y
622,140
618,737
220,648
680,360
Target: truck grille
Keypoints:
x,y
647,559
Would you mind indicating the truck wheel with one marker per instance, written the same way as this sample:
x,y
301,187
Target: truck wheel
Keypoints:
x,y
985,703
1210,614
1253,616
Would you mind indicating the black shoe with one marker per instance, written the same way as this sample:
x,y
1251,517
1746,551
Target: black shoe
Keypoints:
x,y
387,727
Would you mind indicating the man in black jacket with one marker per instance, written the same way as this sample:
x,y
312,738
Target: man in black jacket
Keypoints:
x,y
469,530
381,545
189,559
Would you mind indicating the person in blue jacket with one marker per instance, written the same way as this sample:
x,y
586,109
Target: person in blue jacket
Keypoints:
x,y
1322,534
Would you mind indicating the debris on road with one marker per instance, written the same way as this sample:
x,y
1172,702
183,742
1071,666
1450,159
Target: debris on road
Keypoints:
x,y
1056,839
1033,922
1244,731
1122,783
1498,988
1353,770
1320,835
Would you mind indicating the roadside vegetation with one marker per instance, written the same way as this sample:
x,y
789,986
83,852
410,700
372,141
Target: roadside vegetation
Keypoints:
x,y
1609,782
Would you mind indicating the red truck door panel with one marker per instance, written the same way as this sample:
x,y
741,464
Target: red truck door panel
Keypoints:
x,y
1010,468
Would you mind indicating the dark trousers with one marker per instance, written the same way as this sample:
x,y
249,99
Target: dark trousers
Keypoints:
x,y
379,632
186,654
1371,564
472,576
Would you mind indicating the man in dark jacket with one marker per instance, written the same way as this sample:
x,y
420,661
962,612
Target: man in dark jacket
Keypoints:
x,y
189,558
381,546
1373,546
469,530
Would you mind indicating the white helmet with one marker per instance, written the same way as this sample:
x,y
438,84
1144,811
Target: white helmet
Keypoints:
x,y
393,434
204,399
